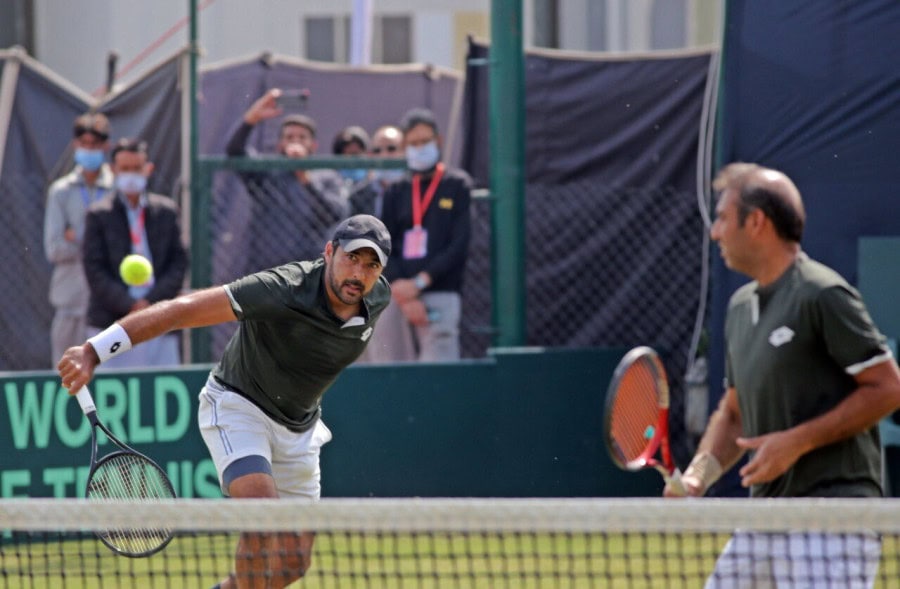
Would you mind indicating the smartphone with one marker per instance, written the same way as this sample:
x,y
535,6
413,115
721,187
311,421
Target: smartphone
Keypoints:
x,y
293,99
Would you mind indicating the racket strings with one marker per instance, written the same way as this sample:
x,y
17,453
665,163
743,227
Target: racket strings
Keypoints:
x,y
635,410
130,477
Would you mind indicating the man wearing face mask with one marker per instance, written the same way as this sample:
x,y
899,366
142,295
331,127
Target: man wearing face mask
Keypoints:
x,y
131,220
67,201
427,215
352,141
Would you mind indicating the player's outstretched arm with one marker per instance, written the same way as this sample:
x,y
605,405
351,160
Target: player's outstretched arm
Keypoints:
x,y
210,306
205,307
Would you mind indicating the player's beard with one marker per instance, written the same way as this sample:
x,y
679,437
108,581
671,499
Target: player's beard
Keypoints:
x,y
338,290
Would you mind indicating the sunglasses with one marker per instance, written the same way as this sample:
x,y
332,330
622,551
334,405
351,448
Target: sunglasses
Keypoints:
x,y
388,149
79,131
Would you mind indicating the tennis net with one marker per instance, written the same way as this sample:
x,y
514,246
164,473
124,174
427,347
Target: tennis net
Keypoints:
x,y
490,543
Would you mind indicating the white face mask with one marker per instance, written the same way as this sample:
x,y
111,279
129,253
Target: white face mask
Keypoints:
x,y
131,183
423,158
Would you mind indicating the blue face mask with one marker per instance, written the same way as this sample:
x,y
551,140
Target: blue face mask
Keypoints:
x,y
130,183
423,158
89,159
354,175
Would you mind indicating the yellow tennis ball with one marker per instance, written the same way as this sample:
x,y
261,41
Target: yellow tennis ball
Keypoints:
x,y
135,270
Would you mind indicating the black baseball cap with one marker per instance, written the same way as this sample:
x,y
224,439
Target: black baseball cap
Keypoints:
x,y
361,231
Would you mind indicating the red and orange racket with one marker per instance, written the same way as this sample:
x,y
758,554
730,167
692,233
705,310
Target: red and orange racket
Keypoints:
x,y
637,416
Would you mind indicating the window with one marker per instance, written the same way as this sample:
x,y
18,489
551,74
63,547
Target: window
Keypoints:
x,y
328,39
17,24
393,39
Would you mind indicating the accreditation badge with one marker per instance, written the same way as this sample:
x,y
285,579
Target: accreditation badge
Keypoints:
x,y
415,243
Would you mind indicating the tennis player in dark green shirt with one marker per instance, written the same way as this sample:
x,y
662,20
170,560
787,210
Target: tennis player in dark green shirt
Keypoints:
x,y
300,325
808,377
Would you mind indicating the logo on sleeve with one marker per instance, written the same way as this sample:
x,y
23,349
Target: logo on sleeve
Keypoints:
x,y
781,336
366,334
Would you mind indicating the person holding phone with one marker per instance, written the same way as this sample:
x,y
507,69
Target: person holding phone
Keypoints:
x,y
294,211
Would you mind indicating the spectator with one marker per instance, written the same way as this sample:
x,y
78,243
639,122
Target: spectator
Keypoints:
x,y
352,141
131,220
67,202
367,198
427,216
294,211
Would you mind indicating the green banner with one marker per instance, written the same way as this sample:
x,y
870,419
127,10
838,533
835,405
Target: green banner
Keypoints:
x,y
524,422
47,438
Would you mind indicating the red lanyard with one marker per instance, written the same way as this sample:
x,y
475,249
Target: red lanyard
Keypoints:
x,y
137,231
420,205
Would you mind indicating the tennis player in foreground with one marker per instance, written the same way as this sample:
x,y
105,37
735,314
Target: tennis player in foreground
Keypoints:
x,y
808,377
300,325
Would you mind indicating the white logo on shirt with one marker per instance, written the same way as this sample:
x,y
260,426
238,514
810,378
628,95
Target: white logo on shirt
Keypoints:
x,y
781,336
366,334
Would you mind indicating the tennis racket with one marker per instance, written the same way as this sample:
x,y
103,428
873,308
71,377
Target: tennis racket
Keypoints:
x,y
637,416
124,475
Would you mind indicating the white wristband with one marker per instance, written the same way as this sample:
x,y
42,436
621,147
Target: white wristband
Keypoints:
x,y
110,342
704,468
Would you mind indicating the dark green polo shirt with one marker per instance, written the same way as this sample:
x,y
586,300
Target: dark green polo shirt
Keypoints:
x,y
792,350
289,346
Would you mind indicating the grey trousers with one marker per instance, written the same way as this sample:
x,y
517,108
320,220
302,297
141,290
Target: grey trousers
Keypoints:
x,y
396,340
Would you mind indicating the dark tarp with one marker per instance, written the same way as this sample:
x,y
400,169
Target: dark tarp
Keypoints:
x,y
39,132
625,122
39,149
613,233
813,88
151,108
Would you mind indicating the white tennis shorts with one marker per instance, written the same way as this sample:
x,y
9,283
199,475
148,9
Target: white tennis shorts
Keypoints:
x,y
234,428
797,560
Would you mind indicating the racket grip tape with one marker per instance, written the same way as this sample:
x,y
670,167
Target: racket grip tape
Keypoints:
x,y
674,484
86,401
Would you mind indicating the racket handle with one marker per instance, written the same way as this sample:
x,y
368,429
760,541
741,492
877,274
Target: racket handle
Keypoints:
x,y
675,485
86,401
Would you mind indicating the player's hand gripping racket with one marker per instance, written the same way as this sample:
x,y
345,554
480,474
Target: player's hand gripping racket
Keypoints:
x,y
124,475
637,416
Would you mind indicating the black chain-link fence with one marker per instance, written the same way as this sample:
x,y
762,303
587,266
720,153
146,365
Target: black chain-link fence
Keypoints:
x,y
26,312
605,267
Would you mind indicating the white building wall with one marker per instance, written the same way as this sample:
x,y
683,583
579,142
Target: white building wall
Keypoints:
x,y
433,37
74,37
